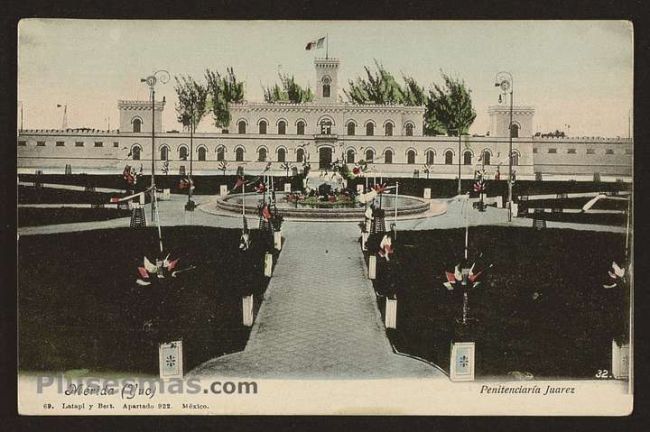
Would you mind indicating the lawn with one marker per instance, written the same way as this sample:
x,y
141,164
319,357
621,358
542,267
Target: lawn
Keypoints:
x,y
80,306
541,309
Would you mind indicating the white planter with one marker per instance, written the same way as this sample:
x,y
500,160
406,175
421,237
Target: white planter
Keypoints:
x,y
499,201
166,195
427,193
287,187
515,209
277,240
620,360
372,267
170,359
462,361
143,199
390,313
247,310
268,265
223,190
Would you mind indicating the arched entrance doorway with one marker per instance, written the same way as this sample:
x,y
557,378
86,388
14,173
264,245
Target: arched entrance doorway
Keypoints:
x,y
324,158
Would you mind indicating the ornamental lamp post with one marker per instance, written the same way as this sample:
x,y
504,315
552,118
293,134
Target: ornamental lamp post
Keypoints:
x,y
151,81
505,81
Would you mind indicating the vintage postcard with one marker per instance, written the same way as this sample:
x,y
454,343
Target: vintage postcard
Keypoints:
x,y
325,217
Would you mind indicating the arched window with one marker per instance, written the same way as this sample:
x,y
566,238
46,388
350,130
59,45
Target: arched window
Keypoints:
x,y
326,90
282,127
449,157
137,125
241,127
514,131
409,129
300,128
486,157
388,157
182,153
467,158
410,157
515,158
352,128
370,156
282,155
202,152
430,157
164,153
350,156
370,129
388,129
326,127
239,154
262,127
261,155
221,153
135,152
300,155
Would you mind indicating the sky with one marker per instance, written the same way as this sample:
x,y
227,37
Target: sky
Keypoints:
x,y
577,74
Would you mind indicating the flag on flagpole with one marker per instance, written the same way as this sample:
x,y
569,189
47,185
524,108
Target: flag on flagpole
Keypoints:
x,y
315,44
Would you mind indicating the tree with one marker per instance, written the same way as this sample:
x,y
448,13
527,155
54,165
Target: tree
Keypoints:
x,y
192,101
223,91
450,107
378,87
412,94
289,91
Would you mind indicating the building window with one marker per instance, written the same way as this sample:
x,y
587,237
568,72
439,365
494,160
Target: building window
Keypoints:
x,y
241,127
352,128
239,155
534,149
300,128
221,153
300,155
40,143
326,90
514,130
591,151
225,131
262,127
282,155
370,156
164,153
282,128
60,143
182,153
326,127
350,156
552,150
571,151
467,158
486,157
261,155
137,125
449,157
609,151
409,129
370,129
79,144
116,144
136,153
430,157
388,129
388,157
410,157
202,152
22,143
99,144
515,159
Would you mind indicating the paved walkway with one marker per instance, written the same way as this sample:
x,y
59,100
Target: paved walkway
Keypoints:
x,y
319,318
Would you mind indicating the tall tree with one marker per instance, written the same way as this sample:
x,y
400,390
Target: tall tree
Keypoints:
x,y
412,94
192,101
450,107
379,87
288,91
223,91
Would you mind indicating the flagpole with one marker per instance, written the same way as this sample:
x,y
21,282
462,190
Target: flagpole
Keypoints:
x,y
466,224
396,197
327,45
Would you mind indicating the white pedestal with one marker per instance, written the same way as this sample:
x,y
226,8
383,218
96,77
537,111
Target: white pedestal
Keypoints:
x,y
142,199
287,187
461,362
170,359
620,360
359,188
427,193
364,240
247,310
372,267
277,240
499,201
515,209
268,264
223,190
390,313
166,195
